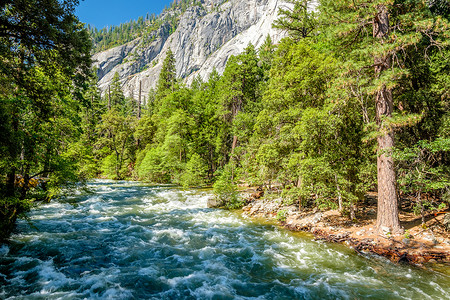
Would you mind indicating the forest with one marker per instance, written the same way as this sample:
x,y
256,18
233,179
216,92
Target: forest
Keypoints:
x,y
144,27
355,100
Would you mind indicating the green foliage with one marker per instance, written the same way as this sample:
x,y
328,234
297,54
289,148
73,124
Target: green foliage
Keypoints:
x,y
45,63
152,166
301,21
225,190
116,134
108,167
12,208
195,173
422,171
147,27
167,76
282,215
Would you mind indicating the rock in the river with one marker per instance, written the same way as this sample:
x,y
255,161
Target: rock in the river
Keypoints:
x,y
213,202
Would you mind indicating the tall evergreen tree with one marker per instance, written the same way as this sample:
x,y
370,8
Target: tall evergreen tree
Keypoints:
x,y
241,94
115,94
167,76
375,39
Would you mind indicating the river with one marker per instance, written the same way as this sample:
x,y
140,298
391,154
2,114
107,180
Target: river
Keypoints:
x,y
129,240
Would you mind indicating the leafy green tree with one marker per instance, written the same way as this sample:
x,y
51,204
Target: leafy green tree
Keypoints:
x,y
115,95
90,116
195,173
167,77
375,41
152,166
300,21
266,53
302,139
209,127
225,189
116,132
45,60
240,93
423,172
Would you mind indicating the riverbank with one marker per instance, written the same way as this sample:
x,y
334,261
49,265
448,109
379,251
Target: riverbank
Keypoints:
x,y
418,245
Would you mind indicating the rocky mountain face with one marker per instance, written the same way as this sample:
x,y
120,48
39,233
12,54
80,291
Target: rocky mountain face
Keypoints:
x,y
206,36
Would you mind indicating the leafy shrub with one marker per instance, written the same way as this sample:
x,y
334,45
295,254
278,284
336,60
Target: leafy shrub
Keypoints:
x,y
12,208
282,215
226,192
108,166
152,167
195,172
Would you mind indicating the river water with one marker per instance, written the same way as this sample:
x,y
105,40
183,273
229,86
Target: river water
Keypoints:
x,y
128,240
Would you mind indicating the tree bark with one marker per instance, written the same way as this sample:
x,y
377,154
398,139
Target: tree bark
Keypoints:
x,y
235,140
387,215
341,207
139,101
13,153
109,98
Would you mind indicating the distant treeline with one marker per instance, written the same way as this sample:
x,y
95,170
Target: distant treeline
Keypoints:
x,y
146,27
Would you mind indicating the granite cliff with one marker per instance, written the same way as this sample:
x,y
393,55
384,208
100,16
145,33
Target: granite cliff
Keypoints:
x,y
206,36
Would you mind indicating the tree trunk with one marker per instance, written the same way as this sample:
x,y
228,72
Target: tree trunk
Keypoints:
x,y
235,140
422,208
139,101
352,212
339,194
387,215
13,153
109,98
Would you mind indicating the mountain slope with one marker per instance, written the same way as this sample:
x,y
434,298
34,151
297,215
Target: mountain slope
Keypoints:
x,y
206,36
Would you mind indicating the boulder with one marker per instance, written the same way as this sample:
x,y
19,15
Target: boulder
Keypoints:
x,y
214,202
446,222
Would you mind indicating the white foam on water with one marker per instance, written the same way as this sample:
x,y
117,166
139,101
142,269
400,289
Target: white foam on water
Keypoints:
x,y
445,293
171,238
206,253
148,271
50,278
4,250
104,190
323,284
184,279
174,233
106,219
117,293
218,290
352,278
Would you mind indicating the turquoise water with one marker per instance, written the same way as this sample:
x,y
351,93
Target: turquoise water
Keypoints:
x,y
128,240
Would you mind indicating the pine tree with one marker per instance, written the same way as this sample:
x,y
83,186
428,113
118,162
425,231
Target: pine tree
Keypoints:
x,y
241,95
167,76
117,99
375,39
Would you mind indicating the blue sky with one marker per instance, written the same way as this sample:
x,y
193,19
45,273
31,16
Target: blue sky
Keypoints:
x,y
102,13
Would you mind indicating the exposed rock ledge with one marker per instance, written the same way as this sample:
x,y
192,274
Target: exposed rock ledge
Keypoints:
x,y
417,245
